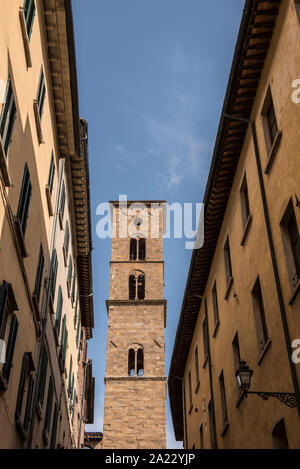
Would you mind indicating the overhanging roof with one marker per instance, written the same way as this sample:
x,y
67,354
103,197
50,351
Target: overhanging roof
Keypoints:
x,y
72,135
252,46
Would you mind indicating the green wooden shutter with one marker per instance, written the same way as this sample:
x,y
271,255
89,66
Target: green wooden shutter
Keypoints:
x,y
28,402
54,428
8,117
29,11
43,375
51,173
70,375
41,93
49,406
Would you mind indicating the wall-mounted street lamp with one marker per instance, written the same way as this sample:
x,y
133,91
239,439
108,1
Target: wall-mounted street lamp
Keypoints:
x,y
244,375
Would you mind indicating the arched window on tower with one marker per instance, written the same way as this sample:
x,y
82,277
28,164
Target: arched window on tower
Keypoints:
x,y
131,362
142,249
140,362
279,436
132,287
141,287
133,249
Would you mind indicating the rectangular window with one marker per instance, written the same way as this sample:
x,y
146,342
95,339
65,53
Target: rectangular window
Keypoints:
x,y
78,330
260,317
39,275
269,121
24,200
43,375
53,274
41,93
197,369
70,376
223,401
48,408
70,271
26,384
8,331
201,437
228,265
212,432
297,9
58,310
51,174
245,206
29,12
291,243
64,340
190,391
73,286
215,303
236,352
62,200
8,117
54,428
67,239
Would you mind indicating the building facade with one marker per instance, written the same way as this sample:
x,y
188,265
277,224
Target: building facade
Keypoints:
x,y
135,382
46,304
242,300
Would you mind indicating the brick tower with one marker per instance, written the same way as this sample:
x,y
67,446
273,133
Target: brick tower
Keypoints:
x,y
135,383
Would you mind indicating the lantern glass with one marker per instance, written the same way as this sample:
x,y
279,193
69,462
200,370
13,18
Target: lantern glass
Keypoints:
x,y
243,375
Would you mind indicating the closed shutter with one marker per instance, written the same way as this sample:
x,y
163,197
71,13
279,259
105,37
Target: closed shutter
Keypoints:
x,y
8,116
41,93
53,274
3,308
54,428
51,174
67,239
23,374
28,402
14,325
49,406
58,310
43,375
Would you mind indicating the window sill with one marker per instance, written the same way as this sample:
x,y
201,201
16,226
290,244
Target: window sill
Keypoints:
x,y
246,230
20,237
228,289
25,38
205,361
3,165
264,351
273,152
49,201
296,290
38,122
225,428
217,325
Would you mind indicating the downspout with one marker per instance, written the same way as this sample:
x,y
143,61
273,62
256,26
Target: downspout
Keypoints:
x,y
45,318
273,256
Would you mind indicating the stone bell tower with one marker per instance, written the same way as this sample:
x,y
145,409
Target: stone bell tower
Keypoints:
x,y
135,382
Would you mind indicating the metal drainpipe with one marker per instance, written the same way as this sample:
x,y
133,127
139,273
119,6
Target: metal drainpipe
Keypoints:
x,y
45,318
273,256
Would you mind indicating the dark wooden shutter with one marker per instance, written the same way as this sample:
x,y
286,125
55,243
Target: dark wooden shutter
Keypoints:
x,y
24,200
54,428
28,402
43,375
14,325
3,308
23,374
58,310
49,406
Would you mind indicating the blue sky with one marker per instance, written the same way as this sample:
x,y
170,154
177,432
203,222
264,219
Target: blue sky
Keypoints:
x,y
152,78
